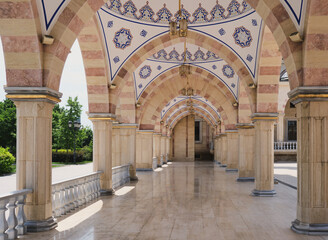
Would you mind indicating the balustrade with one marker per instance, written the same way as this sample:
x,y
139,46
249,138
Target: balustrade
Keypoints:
x,y
14,202
285,146
71,194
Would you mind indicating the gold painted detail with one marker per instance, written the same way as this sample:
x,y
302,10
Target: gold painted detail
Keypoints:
x,y
101,118
32,96
117,126
309,96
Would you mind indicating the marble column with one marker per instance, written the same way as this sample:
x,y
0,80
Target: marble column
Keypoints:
x,y
168,157
232,150
128,147
163,148
144,150
216,150
264,153
34,152
312,160
157,148
280,127
223,150
102,149
246,146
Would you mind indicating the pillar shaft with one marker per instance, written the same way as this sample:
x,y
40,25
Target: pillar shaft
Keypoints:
x,y
34,144
232,153
223,150
312,160
163,148
168,148
280,127
264,153
157,148
144,150
246,146
102,153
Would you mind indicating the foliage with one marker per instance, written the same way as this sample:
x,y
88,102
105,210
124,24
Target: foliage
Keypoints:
x,y
6,161
8,125
67,156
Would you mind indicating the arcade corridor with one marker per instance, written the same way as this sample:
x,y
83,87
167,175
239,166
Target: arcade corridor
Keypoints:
x,y
183,201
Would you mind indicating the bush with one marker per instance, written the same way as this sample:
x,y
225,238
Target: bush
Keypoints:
x,y
61,155
6,161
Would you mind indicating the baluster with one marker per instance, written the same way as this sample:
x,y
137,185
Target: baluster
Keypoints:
x,y
57,201
21,218
76,194
98,185
62,200
71,197
81,193
88,190
12,220
85,190
67,203
93,184
3,221
53,204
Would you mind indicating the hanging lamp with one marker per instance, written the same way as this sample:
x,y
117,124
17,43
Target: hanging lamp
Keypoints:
x,y
183,25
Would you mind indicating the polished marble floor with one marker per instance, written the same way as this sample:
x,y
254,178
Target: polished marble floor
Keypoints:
x,y
183,201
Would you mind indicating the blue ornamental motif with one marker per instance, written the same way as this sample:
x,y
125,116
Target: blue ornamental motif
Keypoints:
x,y
145,71
254,22
228,71
159,67
233,85
200,15
110,24
199,55
122,38
140,86
116,59
222,31
214,67
143,33
249,58
242,37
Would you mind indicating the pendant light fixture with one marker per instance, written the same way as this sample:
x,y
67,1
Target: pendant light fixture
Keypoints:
x,y
183,25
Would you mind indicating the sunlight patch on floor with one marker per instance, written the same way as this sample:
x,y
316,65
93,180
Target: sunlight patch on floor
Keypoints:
x,y
124,190
78,217
158,169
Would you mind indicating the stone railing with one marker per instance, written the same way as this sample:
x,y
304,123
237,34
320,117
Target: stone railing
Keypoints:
x,y
120,175
14,202
73,193
285,146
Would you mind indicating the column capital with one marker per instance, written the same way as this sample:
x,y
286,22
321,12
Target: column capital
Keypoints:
x,y
33,94
101,116
315,93
244,125
264,117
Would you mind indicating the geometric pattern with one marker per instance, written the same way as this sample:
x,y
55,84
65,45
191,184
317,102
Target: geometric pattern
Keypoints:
x,y
122,38
164,15
242,37
145,71
199,55
228,71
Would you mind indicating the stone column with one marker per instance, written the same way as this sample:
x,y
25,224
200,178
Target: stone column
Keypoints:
x,y
168,149
144,150
264,153
232,153
216,148
157,148
246,146
128,147
280,127
312,160
223,149
163,148
102,149
34,152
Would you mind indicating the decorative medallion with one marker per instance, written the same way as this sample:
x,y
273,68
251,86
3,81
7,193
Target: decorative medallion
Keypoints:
x,y
242,37
145,71
233,85
254,22
214,67
122,38
116,59
140,85
222,31
143,33
228,71
249,58
159,67
110,24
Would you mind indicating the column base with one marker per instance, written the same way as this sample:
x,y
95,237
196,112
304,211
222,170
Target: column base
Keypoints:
x,y
231,170
134,179
145,169
107,192
223,165
41,226
309,229
245,179
159,165
263,193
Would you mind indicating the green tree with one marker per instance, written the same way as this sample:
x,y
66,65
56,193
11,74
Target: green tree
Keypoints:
x,y
8,125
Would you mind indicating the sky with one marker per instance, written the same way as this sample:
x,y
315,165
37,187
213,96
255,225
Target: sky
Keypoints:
x,y
73,82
